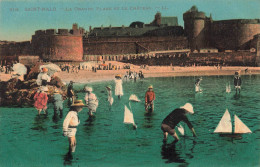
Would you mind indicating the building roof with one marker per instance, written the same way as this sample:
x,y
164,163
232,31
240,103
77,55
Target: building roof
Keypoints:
x,y
170,21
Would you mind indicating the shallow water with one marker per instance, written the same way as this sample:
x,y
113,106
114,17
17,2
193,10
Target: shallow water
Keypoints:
x,y
30,140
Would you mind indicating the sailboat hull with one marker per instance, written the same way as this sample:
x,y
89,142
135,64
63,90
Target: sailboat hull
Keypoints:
x,y
231,135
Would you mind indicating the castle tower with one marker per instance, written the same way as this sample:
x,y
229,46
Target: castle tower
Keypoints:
x,y
194,28
157,19
75,26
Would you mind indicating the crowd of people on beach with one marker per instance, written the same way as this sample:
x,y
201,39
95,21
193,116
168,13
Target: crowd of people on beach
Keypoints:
x,y
70,68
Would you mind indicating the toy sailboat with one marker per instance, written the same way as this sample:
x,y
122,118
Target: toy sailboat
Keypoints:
x,y
225,126
129,118
133,97
228,88
181,130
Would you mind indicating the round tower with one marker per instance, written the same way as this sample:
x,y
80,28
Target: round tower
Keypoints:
x,y
194,28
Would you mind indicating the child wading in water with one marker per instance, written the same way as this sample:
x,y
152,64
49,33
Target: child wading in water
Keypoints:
x,y
110,99
71,123
91,101
41,100
149,98
119,87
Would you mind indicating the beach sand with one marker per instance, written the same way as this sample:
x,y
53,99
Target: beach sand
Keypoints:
x,y
154,71
85,76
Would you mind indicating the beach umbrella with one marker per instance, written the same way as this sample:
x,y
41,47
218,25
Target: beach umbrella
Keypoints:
x,y
52,68
34,71
19,69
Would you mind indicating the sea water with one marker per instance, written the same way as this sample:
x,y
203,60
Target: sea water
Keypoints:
x,y
27,139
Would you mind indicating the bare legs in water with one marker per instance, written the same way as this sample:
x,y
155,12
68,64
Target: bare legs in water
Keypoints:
x,y
72,143
175,136
44,111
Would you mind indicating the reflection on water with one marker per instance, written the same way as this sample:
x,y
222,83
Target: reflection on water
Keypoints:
x,y
69,159
148,120
88,125
170,153
40,123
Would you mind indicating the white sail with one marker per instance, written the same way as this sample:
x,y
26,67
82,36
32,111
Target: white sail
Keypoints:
x,y
133,97
128,117
181,130
228,88
224,125
240,127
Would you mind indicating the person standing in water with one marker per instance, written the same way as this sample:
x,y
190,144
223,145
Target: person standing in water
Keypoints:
x,y
110,99
177,115
57,103
41,99
70,92
119,87
237,82
149,99
91,101
197,85
71,122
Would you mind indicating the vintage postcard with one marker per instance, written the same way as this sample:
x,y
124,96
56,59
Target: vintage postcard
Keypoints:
x,y
129,83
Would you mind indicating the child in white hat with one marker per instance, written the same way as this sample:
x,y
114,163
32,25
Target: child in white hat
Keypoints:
x,y
177,115
91,101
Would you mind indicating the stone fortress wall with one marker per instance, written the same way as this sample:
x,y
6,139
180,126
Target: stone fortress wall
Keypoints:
x,y
199,32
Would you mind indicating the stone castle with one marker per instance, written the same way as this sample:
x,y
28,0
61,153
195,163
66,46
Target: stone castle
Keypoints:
x,y
200,34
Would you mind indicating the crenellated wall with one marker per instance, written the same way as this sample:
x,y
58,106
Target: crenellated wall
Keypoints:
x,y
200,32
51,45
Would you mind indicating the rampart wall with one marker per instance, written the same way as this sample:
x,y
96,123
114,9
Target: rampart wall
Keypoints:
x,y
10,51
132,45
234,34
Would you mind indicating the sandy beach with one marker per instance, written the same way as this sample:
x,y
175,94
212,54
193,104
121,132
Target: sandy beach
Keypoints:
x,y
155,71
84,76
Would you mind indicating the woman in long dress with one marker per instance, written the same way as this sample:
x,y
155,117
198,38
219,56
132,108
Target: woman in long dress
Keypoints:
x,y
119,87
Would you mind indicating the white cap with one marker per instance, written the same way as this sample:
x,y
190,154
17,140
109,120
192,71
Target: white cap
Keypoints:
x,y
188,107
88,89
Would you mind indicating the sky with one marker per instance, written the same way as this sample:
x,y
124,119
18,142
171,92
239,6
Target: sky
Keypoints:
x,y
20,19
